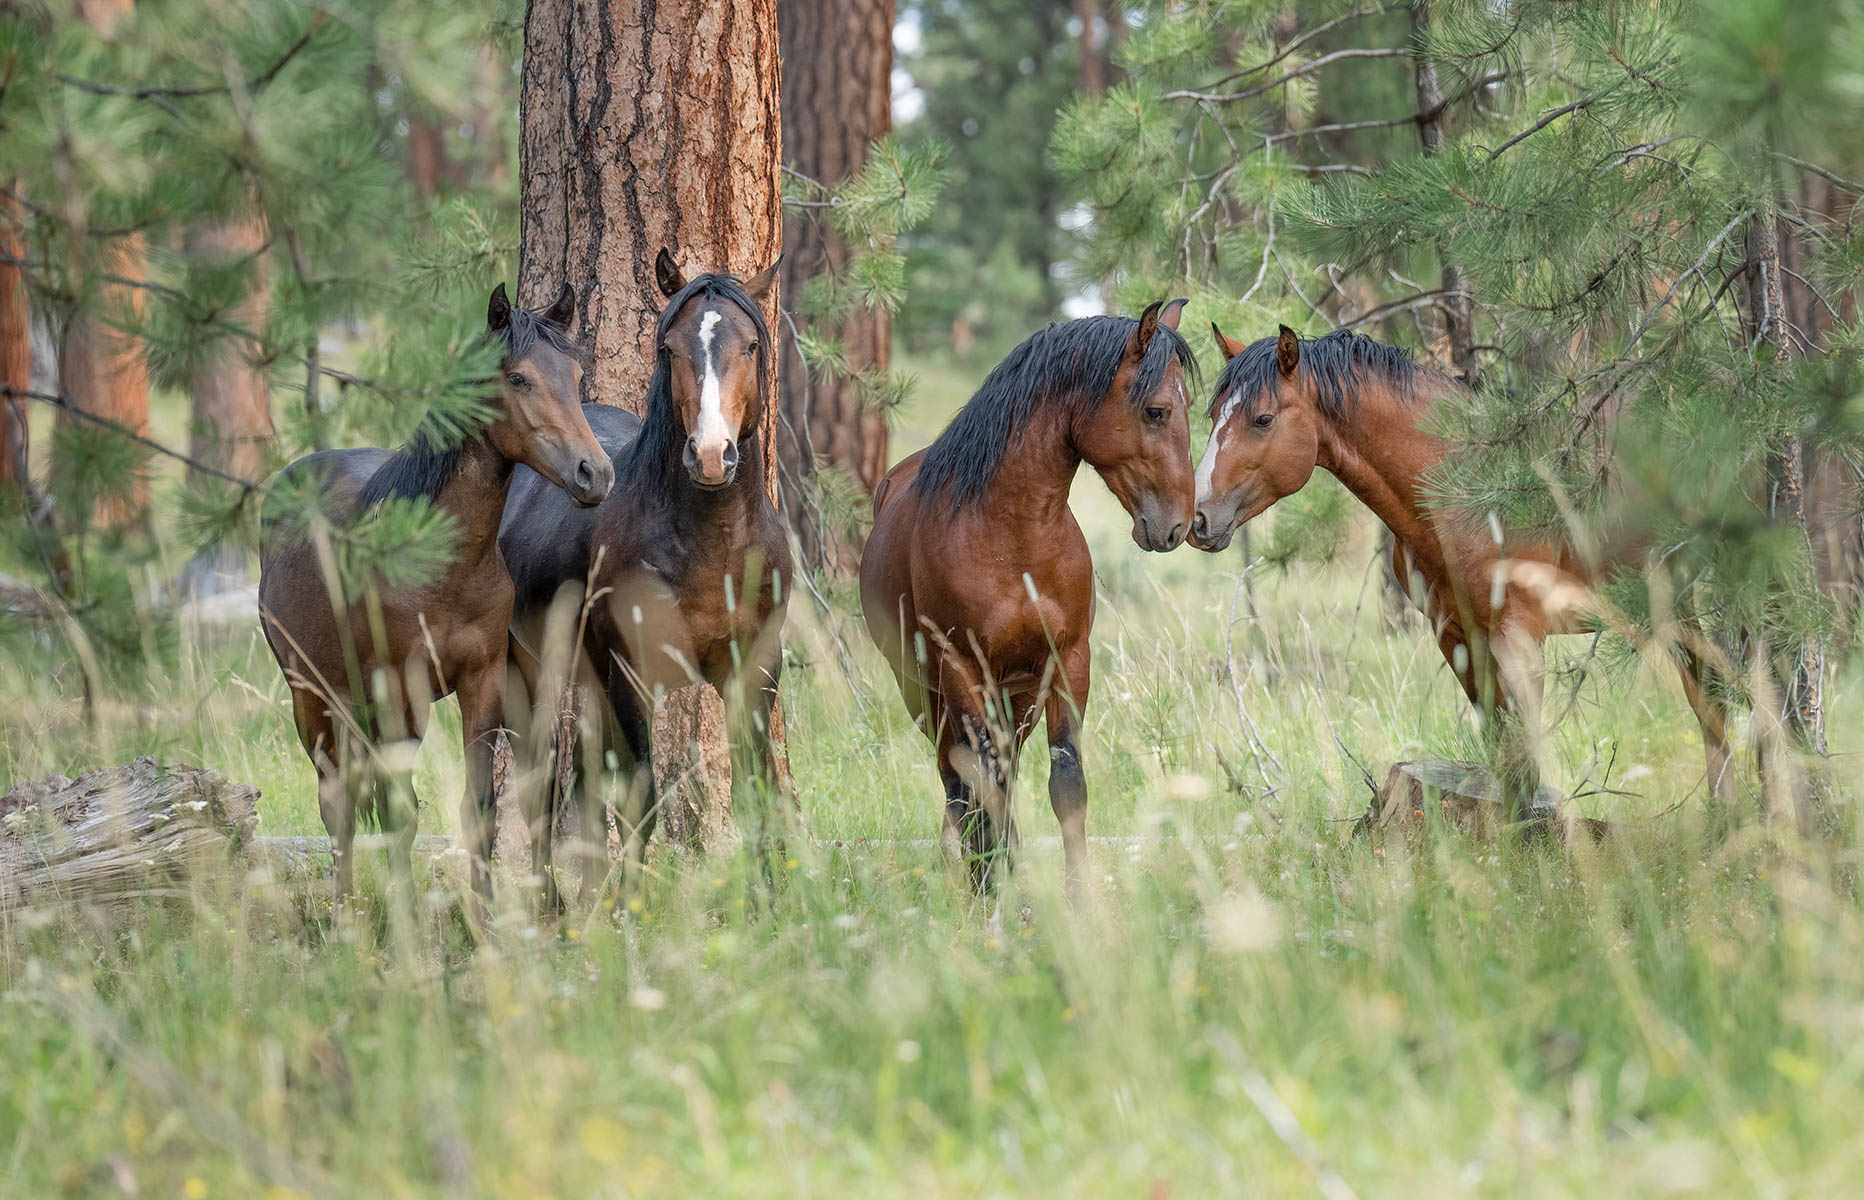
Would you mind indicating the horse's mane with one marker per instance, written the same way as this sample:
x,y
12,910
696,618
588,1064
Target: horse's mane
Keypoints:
x,y
431,456
1336,362
660,438
1071,364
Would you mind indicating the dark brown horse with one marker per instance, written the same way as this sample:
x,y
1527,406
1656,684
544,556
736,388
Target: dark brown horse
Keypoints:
x,y
365,661
1354,406
689,561
976,581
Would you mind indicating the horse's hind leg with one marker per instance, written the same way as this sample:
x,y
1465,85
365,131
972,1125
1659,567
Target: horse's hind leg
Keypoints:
x,y
336,802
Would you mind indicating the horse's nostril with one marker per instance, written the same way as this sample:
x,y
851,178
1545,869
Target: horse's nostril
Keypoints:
x,y
731,455
1177,535
691,457
1200,525
585,474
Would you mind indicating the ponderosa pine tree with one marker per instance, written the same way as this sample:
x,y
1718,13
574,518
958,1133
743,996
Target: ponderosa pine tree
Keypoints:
x,y
1622,187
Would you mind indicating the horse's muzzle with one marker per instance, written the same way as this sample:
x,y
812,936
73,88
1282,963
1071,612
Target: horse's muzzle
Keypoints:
x,y
589,480
1157,535
1211,536
713,470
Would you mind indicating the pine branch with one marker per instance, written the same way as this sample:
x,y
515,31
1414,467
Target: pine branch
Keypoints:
x,y
1852,186
1430,299
66,405
1416,118
1300,40
1547,118
1307,68
159,95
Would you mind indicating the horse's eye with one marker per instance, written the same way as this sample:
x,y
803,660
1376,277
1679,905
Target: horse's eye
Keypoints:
x,y
1157,415
516,380
1264,420
750,351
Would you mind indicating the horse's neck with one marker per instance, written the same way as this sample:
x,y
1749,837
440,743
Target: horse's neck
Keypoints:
x,y
475,498
1380,454
727,516
1037,471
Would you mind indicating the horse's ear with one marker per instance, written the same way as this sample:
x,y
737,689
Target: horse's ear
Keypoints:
x,y
1287,351
498,313
1168,316
667,274
759,286
1225,346
563,308
1142,336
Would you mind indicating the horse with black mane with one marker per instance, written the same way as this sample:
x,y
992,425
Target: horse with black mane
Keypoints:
x,y
976,581
1357,408
365,661
681,575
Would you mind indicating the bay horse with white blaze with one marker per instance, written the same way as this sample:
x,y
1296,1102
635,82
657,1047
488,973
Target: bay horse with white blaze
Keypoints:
x,y
976,581
365,661
687,558
1354,406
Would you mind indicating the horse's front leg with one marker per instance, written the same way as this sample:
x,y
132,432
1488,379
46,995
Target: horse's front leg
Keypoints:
x,y
481,711
1066,703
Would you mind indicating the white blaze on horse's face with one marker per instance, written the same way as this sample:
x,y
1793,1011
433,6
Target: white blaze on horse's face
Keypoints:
x,y
1207,466
711,433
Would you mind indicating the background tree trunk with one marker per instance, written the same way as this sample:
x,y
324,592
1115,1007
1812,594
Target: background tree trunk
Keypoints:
x,y
232,415
104,375
645,126
1800,708
837,98
15,351
101,366
1458,312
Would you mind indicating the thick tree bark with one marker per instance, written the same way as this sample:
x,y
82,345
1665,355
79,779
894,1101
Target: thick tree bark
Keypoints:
x,y
649,124
837,98
232,417
15,351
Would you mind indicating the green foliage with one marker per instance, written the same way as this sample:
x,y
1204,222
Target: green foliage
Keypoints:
x,y
288,121
1602,169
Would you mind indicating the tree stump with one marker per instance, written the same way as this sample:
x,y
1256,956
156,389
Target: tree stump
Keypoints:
x,y
1466,796
119,832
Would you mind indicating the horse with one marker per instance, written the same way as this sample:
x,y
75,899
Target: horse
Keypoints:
x,y
364,660
682,574
976,582
1355,407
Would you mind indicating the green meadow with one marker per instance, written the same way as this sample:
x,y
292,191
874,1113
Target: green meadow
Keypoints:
x,y
1250,998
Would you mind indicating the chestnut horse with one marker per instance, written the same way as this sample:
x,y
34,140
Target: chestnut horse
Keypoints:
x,y
976,581
689,561
1354,406
365,661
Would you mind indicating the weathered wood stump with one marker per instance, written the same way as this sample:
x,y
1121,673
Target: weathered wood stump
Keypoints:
x,y
1464,795
119,832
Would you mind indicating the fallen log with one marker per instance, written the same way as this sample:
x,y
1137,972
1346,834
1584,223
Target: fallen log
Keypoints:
x,y
119,832
1466,796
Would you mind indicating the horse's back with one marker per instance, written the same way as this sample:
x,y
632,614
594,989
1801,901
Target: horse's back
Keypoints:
x,y
544,536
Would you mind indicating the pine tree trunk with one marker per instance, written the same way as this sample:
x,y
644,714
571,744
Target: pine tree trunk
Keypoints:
x,y
1834,500
1801,668
837,98
104,375
101,366
232,412
1458,312
649,125
15,351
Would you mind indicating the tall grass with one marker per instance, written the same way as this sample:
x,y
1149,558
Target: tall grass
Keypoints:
x,y
1249,999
